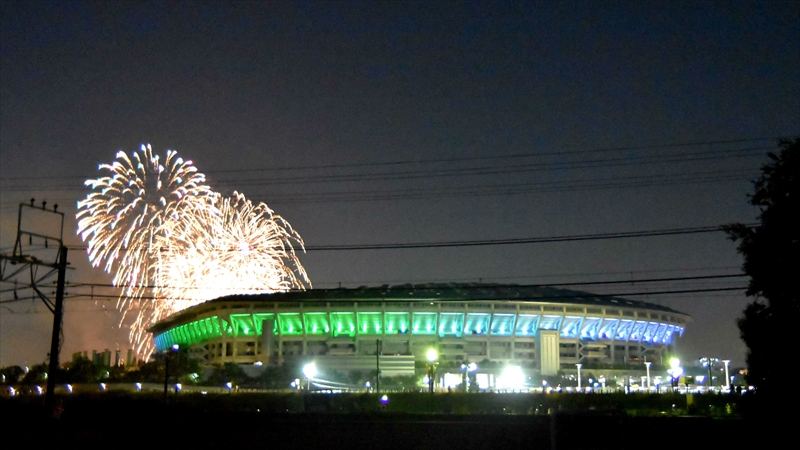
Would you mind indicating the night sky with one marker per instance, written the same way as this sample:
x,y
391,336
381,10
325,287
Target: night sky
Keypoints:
x,y
397,122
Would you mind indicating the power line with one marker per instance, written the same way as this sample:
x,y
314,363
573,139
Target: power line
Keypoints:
x,y
507,189
98,297
463,159
502,189
534,240
498,170
581,283
471,171
488,279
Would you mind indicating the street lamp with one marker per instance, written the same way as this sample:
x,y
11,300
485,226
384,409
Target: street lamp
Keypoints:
x,y
709,363
465,377
309,370
647,365
433,357
727,378
579,375
675,371
167,356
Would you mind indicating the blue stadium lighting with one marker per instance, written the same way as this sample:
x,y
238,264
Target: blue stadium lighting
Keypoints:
x,y
245,330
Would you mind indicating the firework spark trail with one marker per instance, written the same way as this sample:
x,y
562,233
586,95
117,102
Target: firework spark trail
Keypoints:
x,y
160,227
236,248
127,212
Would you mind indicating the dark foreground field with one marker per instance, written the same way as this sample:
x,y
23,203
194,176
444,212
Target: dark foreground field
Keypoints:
x,y
127,421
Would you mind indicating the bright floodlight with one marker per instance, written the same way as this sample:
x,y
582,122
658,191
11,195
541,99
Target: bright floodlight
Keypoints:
x,y
512,378
433,355
472,367
674,363
309,370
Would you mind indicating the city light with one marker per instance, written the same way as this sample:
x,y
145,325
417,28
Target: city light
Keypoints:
x,y
512,378
675,370
432,355
310,370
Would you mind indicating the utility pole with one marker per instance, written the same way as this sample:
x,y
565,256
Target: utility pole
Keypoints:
x,y
35,223
378,349
58,316
710,374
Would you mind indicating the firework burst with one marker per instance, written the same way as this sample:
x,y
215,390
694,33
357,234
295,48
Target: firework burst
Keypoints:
x,y
159,228
236,248
124,218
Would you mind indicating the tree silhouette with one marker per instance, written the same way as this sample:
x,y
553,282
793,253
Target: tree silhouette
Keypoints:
x,y
772,260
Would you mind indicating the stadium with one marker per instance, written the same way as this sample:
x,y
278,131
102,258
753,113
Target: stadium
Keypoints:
x,y
541,329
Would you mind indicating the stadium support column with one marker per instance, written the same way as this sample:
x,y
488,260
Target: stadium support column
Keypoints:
x,y
267,342
549,357
612,351
223,351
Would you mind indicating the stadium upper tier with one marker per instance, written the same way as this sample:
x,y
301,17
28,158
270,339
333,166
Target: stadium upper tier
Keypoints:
x,y
535,326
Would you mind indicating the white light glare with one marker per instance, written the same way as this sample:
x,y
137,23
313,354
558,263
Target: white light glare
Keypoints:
x,y
511,378
310,370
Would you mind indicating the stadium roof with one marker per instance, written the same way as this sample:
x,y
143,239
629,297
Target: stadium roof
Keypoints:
x,y
460,292
451,292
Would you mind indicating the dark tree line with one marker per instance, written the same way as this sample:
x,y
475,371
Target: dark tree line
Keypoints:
x,y
771,253
183,368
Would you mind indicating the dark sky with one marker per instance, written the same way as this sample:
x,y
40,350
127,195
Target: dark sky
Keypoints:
x,y
370,123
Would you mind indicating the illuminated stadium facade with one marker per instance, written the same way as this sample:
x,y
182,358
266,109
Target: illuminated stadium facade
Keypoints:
x,y
539,328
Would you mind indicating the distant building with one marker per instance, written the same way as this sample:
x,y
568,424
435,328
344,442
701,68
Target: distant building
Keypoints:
x,y
104,358
534,327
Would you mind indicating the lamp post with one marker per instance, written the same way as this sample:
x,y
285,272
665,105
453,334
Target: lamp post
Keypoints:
x,y
647,365
727,378
167,356
471,367
579,375
675,371
433,357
